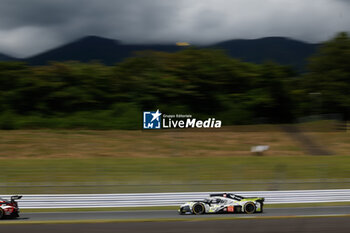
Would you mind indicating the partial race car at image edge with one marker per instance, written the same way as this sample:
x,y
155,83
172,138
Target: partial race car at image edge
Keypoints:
x,y
224,203
9,208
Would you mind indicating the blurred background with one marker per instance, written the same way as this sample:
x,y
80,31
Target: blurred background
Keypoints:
x,y
71,115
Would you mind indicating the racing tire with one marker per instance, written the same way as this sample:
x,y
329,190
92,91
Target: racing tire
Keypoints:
x,y
14,215
182,212
2,214
198,208
249,208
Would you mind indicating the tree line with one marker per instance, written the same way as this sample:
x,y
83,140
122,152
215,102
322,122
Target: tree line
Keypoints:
x,y
201,82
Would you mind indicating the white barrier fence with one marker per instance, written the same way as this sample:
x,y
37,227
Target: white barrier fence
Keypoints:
x,y
173,199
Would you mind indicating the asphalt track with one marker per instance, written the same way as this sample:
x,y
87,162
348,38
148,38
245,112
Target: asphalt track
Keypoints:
x,y
171,214
274,220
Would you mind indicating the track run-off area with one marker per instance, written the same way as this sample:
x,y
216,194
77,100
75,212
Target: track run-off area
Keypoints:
x,y
154,215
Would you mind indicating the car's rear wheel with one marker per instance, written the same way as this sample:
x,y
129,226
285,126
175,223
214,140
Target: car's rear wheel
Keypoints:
x,y
198,208
249,207
1,213
15,215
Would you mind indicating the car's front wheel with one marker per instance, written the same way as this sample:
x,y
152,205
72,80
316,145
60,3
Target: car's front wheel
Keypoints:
x,y
182,211
198,208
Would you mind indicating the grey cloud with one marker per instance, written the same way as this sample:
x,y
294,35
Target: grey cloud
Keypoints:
x,y
36,12
31,26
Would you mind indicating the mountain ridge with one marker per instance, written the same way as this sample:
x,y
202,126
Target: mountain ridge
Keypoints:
x,y
282,50
5,57
285,51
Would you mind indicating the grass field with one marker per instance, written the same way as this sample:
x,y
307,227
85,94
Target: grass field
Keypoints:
x,y
168,174
339,142
86,161
118,143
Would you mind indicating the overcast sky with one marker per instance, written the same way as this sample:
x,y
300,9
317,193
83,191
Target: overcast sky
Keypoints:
x,y
28,27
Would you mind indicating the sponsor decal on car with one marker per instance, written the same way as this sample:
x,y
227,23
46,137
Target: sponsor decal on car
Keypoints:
x,y
230,208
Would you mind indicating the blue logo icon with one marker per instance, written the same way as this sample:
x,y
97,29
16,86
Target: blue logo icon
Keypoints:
x,y
151,120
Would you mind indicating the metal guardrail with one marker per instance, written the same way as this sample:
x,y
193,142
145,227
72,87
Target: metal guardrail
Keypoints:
x,y
173,199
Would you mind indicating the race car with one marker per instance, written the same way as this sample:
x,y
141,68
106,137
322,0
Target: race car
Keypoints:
x,y
224,203
9,209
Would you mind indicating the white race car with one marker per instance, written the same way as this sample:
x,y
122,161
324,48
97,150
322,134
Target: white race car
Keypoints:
x,y
224,203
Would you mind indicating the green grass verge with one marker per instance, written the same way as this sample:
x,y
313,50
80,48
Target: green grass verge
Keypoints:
x,y
123,175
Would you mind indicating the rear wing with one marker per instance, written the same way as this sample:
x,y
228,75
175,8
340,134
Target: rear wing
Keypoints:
x,y
236,197
229,195
16,197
